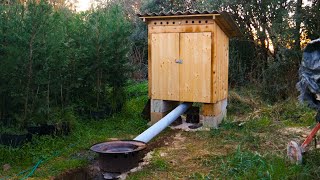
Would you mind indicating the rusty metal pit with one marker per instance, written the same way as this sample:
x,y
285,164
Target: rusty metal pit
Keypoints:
x,y
119,156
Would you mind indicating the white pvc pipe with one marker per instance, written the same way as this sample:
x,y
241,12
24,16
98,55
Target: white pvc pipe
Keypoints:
x,y
155,129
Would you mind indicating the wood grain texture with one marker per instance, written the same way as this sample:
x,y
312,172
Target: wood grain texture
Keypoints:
x,y
213,109
203,76
220,64
149,67
195,71
181,28
179,22
214,65
165,72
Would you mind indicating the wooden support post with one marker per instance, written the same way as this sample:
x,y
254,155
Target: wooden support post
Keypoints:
x,y
211,115
160,108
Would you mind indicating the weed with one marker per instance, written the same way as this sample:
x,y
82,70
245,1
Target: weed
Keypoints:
x,y
312,164
249,165
139,175
158,163
261,124
58,153
253,141
137,89
197,176
242,101
215,132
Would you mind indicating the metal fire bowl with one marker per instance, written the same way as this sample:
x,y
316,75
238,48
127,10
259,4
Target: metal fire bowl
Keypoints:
x,y
119,156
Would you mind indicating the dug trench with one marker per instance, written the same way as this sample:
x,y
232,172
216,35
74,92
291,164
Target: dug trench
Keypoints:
x,y
93,172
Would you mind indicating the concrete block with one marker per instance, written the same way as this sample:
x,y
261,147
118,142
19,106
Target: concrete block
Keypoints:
x,y
160,106
156,116
211,121
213,118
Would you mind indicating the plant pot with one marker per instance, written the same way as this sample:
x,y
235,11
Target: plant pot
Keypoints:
x,y
193,115
99,114
50,129
14,140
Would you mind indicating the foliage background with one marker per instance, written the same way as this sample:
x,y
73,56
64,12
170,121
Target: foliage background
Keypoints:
x,y
56,61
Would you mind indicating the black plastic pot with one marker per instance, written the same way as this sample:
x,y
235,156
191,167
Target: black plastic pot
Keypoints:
x,y
14,140
193,115
146,111
47,129
119,156
100,114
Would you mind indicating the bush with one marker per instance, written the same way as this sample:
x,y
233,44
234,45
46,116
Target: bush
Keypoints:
x,y
280,78
54,59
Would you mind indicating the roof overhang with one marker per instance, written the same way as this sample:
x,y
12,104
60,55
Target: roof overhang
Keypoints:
x,y
223,19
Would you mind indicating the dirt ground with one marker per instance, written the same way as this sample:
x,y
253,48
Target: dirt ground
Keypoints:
x,y
177,154
183,154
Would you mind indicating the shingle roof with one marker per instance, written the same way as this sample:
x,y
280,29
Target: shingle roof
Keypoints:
x,y
224,20
177,13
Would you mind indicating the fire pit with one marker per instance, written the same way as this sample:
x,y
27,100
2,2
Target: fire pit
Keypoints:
x,y
119,156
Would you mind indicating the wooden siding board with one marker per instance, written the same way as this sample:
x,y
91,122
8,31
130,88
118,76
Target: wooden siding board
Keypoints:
x,y
221,61
149,66
165,78
167,87
227,68
195,71
181,29
180,22
214,65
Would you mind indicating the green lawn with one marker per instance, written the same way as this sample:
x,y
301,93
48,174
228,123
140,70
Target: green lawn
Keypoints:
x,y
250,144
58,154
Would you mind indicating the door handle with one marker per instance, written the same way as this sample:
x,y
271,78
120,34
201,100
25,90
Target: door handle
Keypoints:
x,y
179,61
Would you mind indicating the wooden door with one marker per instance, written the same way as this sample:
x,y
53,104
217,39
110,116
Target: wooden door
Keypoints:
x,y
195,70
165,72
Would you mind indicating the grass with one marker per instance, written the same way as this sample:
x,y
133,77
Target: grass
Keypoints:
x,y
250,143
62,153
249,165
158,163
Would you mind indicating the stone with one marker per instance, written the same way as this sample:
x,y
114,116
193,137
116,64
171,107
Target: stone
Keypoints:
x,y
6,167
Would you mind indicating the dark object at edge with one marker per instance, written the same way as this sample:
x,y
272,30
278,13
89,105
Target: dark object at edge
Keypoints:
x,y
146,111
14,140
54,129
309,75
193,115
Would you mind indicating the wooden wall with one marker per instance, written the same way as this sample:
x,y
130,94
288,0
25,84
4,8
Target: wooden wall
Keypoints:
x,y
220,64
160,31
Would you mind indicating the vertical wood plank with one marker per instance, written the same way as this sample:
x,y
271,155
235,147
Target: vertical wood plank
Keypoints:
x,y
195,71
149,65
227,67
220,64
214,64
165,72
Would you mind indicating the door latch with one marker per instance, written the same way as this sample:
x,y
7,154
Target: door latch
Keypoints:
x,y
179,61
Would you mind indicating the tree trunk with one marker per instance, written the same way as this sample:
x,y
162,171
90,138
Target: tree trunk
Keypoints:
x,y
298,19
29,74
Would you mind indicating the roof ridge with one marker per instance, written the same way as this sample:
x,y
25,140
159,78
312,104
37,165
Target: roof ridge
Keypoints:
x,y
171,12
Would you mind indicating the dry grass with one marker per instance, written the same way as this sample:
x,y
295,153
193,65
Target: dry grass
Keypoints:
x,y
251,144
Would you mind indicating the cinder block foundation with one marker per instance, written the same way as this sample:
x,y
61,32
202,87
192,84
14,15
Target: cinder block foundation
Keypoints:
x,y
211,115
160,108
